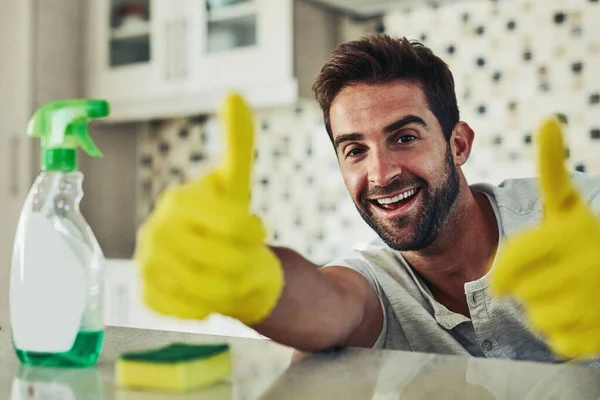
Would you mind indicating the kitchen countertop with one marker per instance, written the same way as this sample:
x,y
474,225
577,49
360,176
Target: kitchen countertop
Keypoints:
x,y
265,370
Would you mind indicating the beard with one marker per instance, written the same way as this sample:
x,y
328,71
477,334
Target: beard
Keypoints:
x,y
435,209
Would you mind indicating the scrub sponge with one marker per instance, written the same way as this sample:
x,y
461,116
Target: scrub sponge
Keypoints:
x,y
175,368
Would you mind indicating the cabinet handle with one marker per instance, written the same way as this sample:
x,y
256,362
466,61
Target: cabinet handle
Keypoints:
x,y
176,59
168,48
184,48
13,165
179,48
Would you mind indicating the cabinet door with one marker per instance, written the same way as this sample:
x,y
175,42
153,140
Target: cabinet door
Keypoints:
x,y
179,68
15,108
128,49
243,43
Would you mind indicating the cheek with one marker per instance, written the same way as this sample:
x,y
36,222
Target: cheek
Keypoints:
x,y
355,181
436,170
431,168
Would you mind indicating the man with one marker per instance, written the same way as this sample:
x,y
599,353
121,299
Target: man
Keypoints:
x,y
390,110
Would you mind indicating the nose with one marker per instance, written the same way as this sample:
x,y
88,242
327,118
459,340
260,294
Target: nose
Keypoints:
x,y
382,167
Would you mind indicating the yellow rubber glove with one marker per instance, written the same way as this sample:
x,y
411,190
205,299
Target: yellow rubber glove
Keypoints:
x,y
201,250
554,269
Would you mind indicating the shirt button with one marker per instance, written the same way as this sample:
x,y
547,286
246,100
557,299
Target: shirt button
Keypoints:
x,y
487,345
474,298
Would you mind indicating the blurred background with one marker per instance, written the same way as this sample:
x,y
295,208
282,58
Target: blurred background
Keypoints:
x,y
164,65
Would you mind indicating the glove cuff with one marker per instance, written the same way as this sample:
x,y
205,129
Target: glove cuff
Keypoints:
x,y
262,303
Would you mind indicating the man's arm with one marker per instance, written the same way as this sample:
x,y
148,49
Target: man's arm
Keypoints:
x,y
322,308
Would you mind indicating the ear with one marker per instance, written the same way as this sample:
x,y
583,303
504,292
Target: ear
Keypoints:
x,y
461,142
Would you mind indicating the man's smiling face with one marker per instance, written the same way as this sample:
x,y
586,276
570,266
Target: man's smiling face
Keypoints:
x,y
396,163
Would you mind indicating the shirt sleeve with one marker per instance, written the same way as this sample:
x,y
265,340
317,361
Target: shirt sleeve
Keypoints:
x,y
363,268
595,204
589,187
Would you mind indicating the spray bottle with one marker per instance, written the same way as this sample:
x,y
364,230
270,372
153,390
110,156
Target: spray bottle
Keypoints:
x,y
57,265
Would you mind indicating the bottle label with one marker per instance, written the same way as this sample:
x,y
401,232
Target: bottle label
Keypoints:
x,y
48,289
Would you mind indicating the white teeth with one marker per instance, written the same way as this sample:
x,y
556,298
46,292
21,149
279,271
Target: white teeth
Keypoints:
x,y
397,198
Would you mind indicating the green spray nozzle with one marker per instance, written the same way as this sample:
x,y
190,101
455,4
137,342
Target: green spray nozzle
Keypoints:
x,y
62,127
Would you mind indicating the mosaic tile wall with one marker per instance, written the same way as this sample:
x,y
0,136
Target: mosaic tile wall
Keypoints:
x,y
514,61
297,190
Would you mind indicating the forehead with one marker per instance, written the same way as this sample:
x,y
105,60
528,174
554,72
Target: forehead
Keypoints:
x,y
363,107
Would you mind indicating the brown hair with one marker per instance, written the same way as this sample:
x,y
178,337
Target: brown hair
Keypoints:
x,y
379,58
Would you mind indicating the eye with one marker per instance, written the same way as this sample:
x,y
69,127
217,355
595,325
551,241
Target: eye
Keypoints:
x,y
406,139
354,152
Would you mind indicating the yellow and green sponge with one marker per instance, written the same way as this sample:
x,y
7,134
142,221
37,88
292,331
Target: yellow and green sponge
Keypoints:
x,y
177,367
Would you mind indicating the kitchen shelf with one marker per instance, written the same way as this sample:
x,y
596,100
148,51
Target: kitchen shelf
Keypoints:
x,y
231,12
139,31
195,52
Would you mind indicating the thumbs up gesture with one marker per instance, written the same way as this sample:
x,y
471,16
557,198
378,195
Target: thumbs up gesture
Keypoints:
x,y
554,269
202,251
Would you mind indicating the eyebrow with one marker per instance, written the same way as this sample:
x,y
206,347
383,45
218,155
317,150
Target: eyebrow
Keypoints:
x,y
409,119
394,126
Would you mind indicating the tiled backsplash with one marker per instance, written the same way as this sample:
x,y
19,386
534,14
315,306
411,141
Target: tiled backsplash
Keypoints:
x,y
514,62
297,190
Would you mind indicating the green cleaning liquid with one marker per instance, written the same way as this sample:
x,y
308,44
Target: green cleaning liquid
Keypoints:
x,y
85,352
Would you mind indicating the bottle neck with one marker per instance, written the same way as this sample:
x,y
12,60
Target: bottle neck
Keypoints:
x,y
63,160
59,190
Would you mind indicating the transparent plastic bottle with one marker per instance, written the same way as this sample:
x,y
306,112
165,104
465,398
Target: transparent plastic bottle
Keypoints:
x,y
57,265
45,383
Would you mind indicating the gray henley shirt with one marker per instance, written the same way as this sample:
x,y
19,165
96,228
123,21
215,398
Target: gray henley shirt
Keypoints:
x,y
415,321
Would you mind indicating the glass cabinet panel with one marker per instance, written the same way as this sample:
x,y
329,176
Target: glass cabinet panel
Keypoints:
x,y
230,24
129,41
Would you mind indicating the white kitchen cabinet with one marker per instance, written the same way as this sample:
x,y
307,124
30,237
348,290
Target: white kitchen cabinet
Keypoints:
x,y
247,43
39,42
181,56
133,49
16,19
123,306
